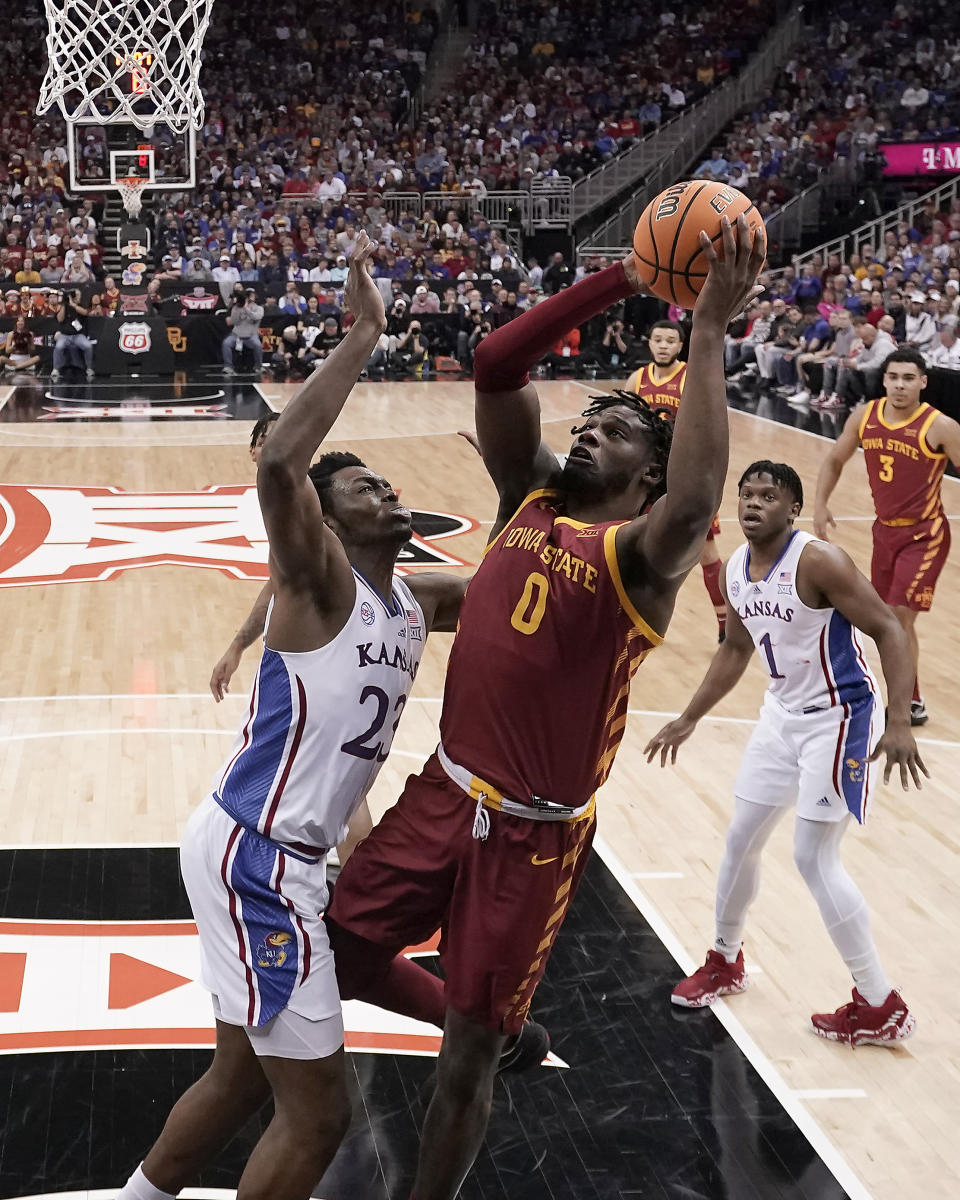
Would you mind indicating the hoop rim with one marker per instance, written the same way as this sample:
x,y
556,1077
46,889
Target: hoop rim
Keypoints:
x,y
131,189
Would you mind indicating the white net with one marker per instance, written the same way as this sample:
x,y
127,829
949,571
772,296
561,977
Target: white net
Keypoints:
x,y
135,61
131,193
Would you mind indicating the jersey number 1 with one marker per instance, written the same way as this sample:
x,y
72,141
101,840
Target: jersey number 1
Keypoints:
x,y
771,661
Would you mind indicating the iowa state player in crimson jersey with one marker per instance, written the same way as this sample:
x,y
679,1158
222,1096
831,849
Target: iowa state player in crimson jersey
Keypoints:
x,y
575,589
660,382
906,445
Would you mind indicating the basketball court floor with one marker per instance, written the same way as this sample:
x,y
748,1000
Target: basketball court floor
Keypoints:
x,y
130,551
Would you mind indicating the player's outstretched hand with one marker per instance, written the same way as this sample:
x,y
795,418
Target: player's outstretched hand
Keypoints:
x,y
669,740
900,747
731,281
822,517
360,294
223,672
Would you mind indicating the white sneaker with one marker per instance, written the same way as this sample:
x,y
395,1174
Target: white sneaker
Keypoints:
x,y
802,397
229,371
54,375
91,373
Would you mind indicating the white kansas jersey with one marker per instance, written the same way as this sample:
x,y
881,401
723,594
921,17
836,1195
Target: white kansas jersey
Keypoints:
x,y
813,655
321,722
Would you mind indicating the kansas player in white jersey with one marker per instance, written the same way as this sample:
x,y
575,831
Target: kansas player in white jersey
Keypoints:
x,y
342,646
801,604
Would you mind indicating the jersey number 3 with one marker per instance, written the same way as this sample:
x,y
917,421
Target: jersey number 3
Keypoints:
x,y
886,468
359,746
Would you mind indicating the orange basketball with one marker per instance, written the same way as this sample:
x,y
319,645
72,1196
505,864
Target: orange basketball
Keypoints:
x,y
666,242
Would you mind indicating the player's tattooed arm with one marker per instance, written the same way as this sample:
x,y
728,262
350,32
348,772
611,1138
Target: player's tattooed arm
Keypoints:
x,y
245,636
840,453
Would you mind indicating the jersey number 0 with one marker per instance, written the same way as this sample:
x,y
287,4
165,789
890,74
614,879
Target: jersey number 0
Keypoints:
x,y
531,606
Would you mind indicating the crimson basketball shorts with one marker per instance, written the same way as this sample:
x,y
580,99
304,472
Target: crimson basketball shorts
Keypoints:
x,y
714,532
499,902
907,561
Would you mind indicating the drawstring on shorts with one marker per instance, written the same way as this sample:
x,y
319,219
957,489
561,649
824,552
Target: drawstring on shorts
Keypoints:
x,y
481,822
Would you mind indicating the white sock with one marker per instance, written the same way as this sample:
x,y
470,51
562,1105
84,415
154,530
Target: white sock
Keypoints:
x,y
841,903
730,950
739,876
139,1187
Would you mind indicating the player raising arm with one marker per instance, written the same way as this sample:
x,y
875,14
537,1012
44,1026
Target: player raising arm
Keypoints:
x,y
342,645
660,382
489,841
906,444
800,602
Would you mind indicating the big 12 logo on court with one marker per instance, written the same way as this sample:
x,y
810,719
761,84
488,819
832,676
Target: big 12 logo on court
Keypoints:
x,y
74,535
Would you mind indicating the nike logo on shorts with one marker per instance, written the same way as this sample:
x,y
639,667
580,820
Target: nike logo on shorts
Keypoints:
x,y
542,862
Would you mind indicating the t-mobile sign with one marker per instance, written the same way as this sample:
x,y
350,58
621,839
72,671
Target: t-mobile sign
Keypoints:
x,y
921,158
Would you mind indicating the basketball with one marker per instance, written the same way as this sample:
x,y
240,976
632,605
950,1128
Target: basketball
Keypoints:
x,y
666,241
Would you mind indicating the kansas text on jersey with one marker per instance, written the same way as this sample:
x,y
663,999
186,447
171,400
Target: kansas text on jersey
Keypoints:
x,y
813,655
320,724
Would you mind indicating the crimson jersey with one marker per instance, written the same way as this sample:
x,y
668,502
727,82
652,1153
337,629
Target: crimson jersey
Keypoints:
x,y
539,675
905,473
663,392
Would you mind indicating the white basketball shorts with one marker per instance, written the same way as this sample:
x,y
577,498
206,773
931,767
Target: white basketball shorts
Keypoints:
x,y
816,760
264,949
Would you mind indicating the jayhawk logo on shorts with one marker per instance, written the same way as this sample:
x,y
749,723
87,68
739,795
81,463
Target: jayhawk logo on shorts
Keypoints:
x,y
855,769
272,950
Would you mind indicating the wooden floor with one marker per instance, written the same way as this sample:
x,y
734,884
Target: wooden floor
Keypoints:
x,y
108,736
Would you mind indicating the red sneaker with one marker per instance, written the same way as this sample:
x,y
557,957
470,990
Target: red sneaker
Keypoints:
x,y
861,1024
715,978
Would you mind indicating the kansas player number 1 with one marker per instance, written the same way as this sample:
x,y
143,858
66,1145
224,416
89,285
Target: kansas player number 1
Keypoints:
x,y
771,661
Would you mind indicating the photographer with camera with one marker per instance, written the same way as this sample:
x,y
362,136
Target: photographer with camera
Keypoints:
x,y
481,328
244,320
615,346
71,333
412,348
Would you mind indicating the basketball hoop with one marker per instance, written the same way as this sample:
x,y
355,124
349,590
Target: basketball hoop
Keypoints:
x,y
126,61
131,190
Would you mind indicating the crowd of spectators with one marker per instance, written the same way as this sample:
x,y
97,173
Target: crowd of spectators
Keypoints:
x,y
849,87
311,116
313,104
819,336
